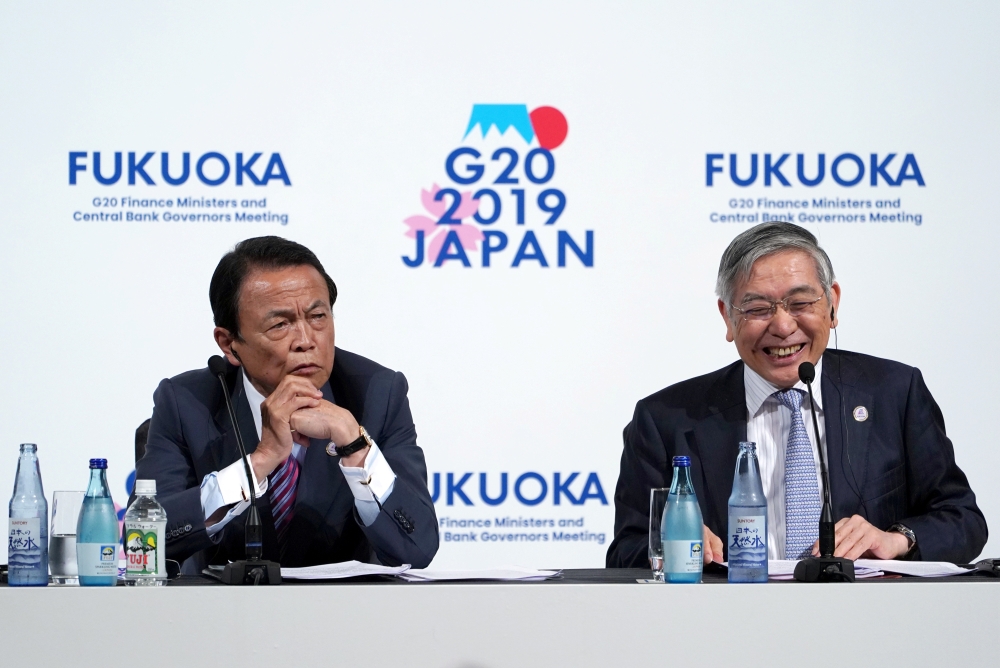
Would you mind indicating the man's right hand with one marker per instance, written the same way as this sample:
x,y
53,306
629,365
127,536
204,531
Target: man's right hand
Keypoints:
x,y
276,438
711,546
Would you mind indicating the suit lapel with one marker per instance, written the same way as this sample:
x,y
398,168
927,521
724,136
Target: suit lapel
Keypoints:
x,y
848,466
244,415
715,442
227,451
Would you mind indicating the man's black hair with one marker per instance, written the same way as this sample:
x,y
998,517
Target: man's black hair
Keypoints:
x,y
257,253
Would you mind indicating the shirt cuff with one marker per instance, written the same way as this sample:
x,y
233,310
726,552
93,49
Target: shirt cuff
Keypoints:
x,y
370,483
228,487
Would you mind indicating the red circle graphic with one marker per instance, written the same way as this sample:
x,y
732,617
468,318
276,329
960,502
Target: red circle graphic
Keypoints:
x,y
550,126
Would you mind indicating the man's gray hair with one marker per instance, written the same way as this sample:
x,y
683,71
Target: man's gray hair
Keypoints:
x,y
763,240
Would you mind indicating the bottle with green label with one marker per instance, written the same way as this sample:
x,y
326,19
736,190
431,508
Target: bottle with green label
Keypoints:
x,y
97,531
145,529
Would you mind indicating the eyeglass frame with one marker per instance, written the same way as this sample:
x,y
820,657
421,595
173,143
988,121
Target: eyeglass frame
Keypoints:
x,y
784,303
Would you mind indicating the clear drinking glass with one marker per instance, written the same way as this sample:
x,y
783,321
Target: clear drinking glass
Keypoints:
x,y
657,501
62,537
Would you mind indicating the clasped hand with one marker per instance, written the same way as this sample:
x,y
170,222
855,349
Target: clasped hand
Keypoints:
x,y
295,412
855,539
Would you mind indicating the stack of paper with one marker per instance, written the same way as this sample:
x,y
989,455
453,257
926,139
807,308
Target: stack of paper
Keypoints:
x,y
505,573
350,569
922,569
344,569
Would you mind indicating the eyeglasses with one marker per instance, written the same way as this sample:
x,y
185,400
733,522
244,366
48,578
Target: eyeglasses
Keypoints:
x,y
764,310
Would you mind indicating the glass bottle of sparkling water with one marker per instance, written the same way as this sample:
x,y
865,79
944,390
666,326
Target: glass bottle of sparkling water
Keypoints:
x,y
145,529
682,528
28,531
747,538
97,531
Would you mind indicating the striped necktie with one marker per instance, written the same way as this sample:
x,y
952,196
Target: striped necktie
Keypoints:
x,y
802,502
283,482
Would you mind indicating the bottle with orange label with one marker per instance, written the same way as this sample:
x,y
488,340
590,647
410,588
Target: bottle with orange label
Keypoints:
x,y
145,529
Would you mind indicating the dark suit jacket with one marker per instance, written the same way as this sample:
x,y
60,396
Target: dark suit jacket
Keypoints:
x,y
190,436
896,466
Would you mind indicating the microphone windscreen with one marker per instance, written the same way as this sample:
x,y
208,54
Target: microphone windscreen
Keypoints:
x,y
807,372
218,365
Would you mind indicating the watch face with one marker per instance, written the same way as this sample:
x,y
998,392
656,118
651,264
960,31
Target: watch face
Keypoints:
x,y
331,449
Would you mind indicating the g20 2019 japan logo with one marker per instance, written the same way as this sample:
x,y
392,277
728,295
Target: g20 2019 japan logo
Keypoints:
x,y
501,205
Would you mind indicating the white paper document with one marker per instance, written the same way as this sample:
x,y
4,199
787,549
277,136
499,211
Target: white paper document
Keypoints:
x,y
344,569
504,573
923,569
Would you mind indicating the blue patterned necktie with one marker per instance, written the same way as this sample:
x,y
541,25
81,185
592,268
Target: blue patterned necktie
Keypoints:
x,y
802,502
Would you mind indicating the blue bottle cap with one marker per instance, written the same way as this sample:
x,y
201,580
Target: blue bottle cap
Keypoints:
x,y
98,463
682,461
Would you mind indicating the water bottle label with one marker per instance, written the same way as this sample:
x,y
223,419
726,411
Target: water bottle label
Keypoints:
x,y
682,556
24,543
748,542
99,559
144,549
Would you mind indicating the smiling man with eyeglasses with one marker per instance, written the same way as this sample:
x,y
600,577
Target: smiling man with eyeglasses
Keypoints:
x,y
896,489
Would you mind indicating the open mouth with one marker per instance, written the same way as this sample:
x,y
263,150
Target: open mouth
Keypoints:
x,y
783,352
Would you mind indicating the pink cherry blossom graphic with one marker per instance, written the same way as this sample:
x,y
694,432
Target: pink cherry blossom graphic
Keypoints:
x,y
438,206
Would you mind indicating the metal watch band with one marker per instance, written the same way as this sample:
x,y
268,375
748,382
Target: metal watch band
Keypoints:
x,y
906,531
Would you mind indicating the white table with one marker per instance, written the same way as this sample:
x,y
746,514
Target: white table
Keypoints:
x,y
911,623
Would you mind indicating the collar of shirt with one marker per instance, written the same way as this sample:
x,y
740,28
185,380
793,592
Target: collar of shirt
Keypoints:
x,y
758,390
255,399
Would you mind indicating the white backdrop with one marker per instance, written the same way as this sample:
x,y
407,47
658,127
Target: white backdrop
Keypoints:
x,y
512,369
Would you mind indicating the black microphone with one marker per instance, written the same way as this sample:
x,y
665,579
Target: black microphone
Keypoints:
x,y
253,570
826,567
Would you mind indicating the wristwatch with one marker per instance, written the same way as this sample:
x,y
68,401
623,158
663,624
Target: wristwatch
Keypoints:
x,y
911,538
363,441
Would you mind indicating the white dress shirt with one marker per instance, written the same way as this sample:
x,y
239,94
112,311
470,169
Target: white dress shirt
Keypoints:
x,y
768,424
371,484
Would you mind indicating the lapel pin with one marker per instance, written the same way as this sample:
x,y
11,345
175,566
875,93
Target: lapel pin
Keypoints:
x,y
860,414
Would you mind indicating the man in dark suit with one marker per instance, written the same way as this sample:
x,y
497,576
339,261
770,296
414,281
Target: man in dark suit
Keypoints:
x,y
331,442
896,489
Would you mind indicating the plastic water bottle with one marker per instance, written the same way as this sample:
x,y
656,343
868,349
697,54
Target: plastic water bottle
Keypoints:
x,y
747,536
145,529
97,531
682,528
28,531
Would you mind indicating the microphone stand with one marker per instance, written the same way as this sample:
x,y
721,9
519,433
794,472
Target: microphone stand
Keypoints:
x,y
253,570
826,567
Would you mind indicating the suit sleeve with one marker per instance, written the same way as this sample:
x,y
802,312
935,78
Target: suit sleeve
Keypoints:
x,y
644,461
406,530
168,462
945,518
